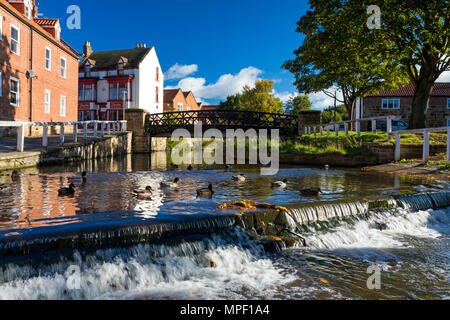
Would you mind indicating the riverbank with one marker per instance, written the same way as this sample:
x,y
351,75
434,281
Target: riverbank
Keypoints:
x,y
99,148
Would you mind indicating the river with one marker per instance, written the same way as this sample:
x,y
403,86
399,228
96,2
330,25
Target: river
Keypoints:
x,y
412,253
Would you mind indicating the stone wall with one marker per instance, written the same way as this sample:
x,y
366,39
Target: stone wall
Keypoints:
x,y
308,117
118,145
135,123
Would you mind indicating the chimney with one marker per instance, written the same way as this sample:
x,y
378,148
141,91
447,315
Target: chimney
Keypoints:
x,y
141,45
87,49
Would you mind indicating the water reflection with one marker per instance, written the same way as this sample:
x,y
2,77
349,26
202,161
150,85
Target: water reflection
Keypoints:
x,y
107,196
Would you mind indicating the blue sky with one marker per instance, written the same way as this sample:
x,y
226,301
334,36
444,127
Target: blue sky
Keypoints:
x,y
215,46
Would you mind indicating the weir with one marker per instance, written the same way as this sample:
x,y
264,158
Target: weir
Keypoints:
x,y
279,226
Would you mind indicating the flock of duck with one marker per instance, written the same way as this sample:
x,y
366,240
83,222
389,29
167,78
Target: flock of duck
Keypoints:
x,y
147,192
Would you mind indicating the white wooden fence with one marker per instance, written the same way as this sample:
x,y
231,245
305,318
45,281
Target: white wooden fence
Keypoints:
x,y
314,129
110,127
426,141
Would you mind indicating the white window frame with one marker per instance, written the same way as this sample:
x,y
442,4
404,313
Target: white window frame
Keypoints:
x,y
387,102
47,104
180,107
62,107
18,40
18,92
28,11
63,69
47,49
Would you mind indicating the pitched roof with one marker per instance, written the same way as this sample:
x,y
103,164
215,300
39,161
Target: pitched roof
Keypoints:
x,y
169,94
64,45
46,22
440,89
108,59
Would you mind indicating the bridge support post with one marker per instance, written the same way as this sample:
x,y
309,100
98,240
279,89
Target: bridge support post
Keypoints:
x,y
141,142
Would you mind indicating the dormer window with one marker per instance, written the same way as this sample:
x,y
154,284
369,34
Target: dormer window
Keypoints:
x,y
87,69
121,66
28,12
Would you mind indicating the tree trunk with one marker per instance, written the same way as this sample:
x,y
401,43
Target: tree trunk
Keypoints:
x,y
421,99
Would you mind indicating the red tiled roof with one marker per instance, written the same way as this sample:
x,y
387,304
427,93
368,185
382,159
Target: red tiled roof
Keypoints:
x,y
46,22
169,94
440,89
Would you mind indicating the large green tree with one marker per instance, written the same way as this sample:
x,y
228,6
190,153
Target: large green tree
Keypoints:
x,y
258,98
339,49
298,103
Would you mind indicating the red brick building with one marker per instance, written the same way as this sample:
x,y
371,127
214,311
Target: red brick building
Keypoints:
x,y
398,103
38,71
178,100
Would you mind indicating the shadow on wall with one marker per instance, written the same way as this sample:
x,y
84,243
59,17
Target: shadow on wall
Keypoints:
x,y
7,112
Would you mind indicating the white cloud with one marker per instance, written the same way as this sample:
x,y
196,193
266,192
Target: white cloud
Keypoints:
x,y
445,77
285,95
227,84
178,71
321,101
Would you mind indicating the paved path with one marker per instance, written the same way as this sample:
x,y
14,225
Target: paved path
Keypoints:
x,y
35,144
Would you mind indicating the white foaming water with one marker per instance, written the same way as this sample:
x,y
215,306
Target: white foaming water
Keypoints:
x,y
153,272
363,234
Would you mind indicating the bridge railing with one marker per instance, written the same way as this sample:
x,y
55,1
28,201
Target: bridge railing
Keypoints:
x,y
168,122
426,141
108,126
314,129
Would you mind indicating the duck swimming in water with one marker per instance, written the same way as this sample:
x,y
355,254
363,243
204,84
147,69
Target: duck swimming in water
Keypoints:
x,y
144,194
240,177
170,184
174,166
311,192
205,192
190,168
280,184
67,191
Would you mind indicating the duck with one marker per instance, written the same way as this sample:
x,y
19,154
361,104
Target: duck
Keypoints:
x,y
240,177
170,184
190,168
174,166
83,176
15,175
280,184
5,187
67,191
311,192
145,194
205,192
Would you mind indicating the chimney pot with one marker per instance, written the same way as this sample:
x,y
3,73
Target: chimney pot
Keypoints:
x,y
87,49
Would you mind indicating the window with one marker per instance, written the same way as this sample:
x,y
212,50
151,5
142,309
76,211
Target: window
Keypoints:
x,y
390,104
87,70
120,69
180,107
62,106
157,94
157,74
14,92
47,101
28,11
448,122
15,40
48,59
448,103
87,92
63,67
117,90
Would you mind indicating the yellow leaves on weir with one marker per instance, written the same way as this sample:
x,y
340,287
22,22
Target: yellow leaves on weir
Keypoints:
x,y
245,205
323,280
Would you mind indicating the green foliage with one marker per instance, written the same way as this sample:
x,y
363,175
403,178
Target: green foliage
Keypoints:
x,y
296,104
260,99
328,114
